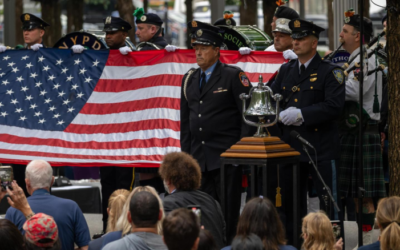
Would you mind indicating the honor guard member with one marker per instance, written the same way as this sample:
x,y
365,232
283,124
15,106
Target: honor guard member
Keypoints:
x,y
226,20
116,30
211,118
149,31
313,93
373,171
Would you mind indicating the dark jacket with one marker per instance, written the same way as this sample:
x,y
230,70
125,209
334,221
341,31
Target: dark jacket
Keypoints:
x,y
211,213
211,121
321,100
159,41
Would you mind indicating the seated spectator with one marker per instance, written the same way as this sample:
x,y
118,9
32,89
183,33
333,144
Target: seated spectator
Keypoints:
x,y
388,221
249,242
207,241
144,213
10,236
260,217
181,230
317,232
182,178
41,232
66,213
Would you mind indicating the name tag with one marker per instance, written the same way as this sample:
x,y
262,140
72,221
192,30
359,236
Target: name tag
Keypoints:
x,y
220,90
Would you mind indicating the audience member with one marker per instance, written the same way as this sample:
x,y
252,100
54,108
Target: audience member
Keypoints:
x,y
249,242
115,204
10,236
182,178
207,241
260,217
18,199
41,233
144,213
317,232
66,213
388,221
181,230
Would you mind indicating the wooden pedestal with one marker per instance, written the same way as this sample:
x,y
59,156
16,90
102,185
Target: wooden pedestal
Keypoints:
x,y
260,147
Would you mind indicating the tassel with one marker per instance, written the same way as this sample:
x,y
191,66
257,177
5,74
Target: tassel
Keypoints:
x,y
376,108
278,198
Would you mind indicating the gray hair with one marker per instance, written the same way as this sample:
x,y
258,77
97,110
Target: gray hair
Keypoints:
x,y
39,173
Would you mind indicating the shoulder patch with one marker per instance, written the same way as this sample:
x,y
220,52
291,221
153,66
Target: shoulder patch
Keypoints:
x,y
338,73
244,79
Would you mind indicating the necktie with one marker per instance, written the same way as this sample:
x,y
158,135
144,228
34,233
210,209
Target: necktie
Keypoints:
x,y
302,69
203,81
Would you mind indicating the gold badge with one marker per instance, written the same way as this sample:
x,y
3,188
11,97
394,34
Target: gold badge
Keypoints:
x,y
313,79
282,21
347,19
199,33
314,74
27,17
297,24
194,24
143,18
228,22
108,20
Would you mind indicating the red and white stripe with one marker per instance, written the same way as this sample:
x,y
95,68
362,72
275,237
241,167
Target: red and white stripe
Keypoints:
x,y
132,116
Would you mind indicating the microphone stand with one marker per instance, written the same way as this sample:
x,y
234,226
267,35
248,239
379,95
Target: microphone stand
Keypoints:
x,y
327,189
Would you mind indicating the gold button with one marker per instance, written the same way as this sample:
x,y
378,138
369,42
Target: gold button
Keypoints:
x,y
284,87
298,89
295,100
311,87
316,130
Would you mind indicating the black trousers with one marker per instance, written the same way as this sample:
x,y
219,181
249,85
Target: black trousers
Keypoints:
x,y
111,179
211,184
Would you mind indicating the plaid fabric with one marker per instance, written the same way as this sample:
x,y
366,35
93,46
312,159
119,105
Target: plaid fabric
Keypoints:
x,y
374,184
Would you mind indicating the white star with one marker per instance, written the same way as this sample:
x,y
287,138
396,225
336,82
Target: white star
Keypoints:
x,y
46,68
43,92
15,70
24,88
52,108
6,58
38,114
38,84
5,82
60,122
51,78
56,116
80,95
56,86
20,79
29,65
47,100
42,121
70,110
95,63
77,61
65,102
14,101
24,57
75,86
33,75
28,98
10,92
88,79
33,106
18,110
59,62
64,70
69,78
82,71
41,59
11,64
3,114
2,74
60,94
1,104
23,118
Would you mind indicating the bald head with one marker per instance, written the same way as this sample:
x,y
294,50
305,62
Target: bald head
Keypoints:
x,y
39,174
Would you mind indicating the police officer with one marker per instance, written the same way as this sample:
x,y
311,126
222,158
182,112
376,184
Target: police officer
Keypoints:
x,y
313,98
211,119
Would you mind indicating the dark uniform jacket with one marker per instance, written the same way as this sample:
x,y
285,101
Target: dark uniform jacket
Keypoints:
x,y
211,213
211,121
320,98
159,41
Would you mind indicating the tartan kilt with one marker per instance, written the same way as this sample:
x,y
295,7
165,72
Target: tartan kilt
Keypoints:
x,y
374,184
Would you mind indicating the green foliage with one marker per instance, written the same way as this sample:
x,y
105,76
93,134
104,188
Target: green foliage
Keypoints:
x,y
232,2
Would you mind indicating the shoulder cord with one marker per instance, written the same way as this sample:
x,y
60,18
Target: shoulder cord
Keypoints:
x,y
186,82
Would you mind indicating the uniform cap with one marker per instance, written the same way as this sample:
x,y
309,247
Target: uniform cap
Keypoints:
x,y
302,28
286,12
355,21
227,19
115,23
30,21
282,25
207,37
149,18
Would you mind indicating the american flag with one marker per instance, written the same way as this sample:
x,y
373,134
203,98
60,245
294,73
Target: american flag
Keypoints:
x,y
100,108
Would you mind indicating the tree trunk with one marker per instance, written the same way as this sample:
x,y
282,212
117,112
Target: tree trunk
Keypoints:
x,y
366,7
189,17
74,15
393,38
19,39
248,12
145,5
51,13
330,25
126,9
269,7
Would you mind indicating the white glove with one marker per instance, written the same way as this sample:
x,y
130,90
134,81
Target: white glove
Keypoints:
x,y
36,46
289,54
171,48
77,49
291,116
125,50
244,50
2,48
